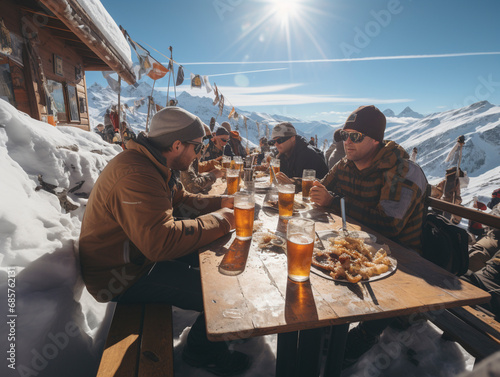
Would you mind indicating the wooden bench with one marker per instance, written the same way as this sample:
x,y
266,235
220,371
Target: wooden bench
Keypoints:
x,y
474,328
139,342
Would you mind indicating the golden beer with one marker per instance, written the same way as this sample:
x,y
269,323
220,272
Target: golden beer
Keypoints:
x,y
239,165
286,196
226,164
243,216
306,187
299,251
233,181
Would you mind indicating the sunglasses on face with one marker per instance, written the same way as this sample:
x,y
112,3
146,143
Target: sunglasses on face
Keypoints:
x,y
224,140
279,140
197,146
356,137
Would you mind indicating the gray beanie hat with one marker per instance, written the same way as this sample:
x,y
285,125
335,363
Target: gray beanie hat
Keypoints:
x,y
283,129
174,123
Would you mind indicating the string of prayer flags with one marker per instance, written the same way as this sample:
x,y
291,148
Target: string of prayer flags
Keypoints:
x,y
180,76
231,113
258,130
207,84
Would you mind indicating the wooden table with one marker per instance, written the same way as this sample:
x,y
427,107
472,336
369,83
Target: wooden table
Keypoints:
x,y
255,297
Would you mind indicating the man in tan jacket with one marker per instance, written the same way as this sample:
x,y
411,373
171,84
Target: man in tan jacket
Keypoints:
x,y
139,221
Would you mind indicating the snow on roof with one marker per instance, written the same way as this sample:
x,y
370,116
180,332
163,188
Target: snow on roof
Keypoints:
x,y
108,27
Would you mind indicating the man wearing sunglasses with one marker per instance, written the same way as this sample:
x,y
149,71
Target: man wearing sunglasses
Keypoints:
x,y
218,145
383,189
141,231
295,154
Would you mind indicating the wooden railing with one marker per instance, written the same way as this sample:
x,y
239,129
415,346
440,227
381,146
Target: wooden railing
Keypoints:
x,y
468,213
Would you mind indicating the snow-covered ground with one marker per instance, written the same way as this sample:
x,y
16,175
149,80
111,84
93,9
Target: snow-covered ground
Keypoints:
x,y
59,328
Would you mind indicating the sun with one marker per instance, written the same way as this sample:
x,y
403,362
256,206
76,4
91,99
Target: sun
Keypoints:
x,y
284,10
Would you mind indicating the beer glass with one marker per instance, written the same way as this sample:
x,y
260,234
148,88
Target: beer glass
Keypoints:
x,y
275,165
299,248
226,162
286,196
238,162
308,177
244,212
233,181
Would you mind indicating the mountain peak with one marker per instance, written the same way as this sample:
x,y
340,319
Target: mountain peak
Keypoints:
x,y
409,113
388,113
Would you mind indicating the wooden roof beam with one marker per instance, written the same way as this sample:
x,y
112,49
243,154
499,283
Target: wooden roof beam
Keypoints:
x,y
74,16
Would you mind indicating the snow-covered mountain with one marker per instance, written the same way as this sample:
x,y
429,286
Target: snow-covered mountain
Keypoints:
x,y
433,135
101,99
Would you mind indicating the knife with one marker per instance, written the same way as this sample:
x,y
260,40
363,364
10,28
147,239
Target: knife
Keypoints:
x,y
342,211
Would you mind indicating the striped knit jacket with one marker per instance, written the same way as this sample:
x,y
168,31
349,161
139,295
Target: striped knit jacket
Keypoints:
x,y
388,196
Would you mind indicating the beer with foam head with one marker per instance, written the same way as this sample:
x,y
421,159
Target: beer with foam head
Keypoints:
x,y
233,181
286,196
299,248
244,212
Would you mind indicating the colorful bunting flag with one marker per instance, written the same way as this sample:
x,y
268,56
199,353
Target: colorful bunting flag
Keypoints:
x,y
113,84
216,99
221,104
231,113
195,81
207,84
180,76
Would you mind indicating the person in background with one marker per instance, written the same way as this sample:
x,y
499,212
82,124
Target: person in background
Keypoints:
x,y
235,145
474,227
336,151
264,148
131,230
295,154
382,189
484,265
217,145
100,131
495,199
312,141
109,131
200,176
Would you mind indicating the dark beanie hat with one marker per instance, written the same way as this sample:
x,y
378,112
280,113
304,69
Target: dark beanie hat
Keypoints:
x,y
221,131
174,123
368,120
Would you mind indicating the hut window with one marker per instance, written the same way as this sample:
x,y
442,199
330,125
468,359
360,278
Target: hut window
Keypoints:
x,y
56,91
6,89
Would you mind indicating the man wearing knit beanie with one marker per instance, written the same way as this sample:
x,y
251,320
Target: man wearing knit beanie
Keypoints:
x,y
129,228
382,189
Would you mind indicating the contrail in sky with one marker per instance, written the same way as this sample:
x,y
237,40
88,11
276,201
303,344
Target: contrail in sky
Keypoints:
x,y
397,57
236,73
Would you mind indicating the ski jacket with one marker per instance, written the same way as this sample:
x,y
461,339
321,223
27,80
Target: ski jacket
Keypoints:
x,y
129,221
388,196
303,156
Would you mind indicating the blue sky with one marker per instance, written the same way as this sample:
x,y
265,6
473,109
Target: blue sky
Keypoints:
x,y
321,59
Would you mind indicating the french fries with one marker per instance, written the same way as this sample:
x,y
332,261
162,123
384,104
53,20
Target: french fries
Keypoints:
x,y
351,259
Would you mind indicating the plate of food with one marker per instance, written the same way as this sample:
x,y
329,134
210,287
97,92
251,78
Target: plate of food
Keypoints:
x,y
351,259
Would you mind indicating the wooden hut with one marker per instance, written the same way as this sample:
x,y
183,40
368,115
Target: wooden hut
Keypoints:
x,y
45,48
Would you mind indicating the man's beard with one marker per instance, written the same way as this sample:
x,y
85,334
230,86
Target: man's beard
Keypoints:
x,y
181,162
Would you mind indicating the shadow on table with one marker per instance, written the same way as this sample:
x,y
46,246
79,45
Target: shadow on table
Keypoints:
x,y
299,302
235,259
